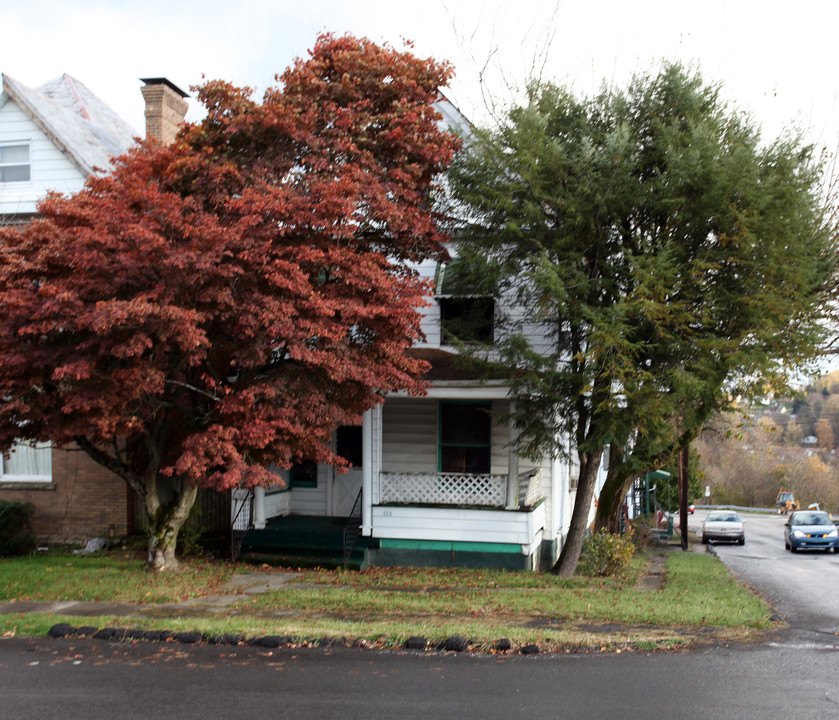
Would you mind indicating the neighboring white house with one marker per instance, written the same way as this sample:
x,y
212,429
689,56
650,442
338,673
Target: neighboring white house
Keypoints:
x,y
52,139
437,477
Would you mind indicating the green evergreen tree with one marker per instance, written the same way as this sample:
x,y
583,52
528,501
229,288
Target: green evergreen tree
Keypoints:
x,y
663,254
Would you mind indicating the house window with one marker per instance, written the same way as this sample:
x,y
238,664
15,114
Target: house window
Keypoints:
x,y
466,319
27,462
14,163
465,295
303,475
465,431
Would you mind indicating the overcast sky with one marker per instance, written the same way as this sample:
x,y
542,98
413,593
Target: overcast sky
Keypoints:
x,y
778,61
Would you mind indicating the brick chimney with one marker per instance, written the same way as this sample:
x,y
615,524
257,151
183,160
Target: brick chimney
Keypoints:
x,y
165,108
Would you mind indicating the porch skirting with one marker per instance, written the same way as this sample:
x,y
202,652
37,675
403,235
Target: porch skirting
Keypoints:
x,y
458,537
435,553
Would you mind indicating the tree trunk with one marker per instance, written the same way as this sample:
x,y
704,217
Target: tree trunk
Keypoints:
x,y
566,566
164,524
166,501
612,493
608,506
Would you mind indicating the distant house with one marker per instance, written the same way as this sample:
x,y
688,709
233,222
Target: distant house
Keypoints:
x,y
53,138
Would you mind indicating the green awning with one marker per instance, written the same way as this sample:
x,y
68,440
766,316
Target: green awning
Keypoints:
x,y
464,277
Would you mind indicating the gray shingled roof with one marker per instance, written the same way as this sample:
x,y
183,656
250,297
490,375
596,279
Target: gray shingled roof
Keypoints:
x,y
78,122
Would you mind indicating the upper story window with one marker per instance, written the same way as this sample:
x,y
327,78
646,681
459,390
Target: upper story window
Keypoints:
x,y
27,462
467,307
466,319
14,163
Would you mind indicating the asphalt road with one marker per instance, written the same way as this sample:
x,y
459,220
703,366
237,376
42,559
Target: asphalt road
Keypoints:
x,y
802,586
47,679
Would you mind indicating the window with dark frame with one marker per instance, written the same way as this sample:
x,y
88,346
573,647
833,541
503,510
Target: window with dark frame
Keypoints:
x,y
464,293
465,433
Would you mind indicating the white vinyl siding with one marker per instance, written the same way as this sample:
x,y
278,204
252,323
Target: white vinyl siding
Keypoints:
x,y
459,525
312,501
50,169
409,435
430,314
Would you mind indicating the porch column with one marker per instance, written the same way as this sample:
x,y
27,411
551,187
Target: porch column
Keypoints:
x,y
259,508
513,466
367,473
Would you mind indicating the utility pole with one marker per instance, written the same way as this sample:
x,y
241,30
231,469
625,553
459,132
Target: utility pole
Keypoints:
x,y
683,496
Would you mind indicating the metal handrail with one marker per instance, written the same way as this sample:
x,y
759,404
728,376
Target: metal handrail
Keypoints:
x,y
239,526
352,529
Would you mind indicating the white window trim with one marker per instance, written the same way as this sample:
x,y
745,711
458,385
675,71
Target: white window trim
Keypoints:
x,y
18,143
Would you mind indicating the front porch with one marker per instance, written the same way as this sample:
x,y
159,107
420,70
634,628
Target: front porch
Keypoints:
x,y
484,490
435,480
436,519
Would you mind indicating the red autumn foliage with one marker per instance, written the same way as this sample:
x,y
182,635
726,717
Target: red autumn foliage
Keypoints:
x,y
224,303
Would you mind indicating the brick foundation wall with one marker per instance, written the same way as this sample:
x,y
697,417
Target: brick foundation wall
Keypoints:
x,y
84,500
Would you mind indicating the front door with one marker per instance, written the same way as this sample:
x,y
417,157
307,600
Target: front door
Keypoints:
x,y
347,484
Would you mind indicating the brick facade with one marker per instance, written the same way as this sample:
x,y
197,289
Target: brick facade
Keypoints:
x,y
84,500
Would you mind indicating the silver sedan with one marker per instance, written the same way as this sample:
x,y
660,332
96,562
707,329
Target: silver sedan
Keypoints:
x,y
723,525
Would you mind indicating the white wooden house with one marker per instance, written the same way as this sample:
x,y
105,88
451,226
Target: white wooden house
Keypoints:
x,y
437,478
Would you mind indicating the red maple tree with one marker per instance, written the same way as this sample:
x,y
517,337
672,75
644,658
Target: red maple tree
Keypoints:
x,y
224,303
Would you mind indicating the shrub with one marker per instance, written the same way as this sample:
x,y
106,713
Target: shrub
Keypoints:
x,y
15,536
605,553
643,534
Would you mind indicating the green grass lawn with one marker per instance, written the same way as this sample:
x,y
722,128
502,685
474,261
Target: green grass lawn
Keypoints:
x,y
387,605
105,578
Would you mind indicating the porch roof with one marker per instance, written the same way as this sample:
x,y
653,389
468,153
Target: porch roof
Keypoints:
x,y
447,365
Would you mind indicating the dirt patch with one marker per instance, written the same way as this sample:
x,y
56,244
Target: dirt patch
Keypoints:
x,y
654,575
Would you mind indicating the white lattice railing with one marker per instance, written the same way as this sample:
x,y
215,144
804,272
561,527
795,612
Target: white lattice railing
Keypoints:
x,y
530,488
443,489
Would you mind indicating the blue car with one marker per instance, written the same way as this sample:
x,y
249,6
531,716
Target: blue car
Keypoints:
x,y
811,530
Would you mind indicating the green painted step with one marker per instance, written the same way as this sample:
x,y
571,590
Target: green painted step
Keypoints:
x,y
357,561
301,541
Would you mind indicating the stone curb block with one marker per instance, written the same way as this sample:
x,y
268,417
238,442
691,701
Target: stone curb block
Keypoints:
x,y
455,643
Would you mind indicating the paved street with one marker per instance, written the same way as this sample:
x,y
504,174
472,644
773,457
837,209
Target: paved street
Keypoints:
x,y
802,586
98,681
